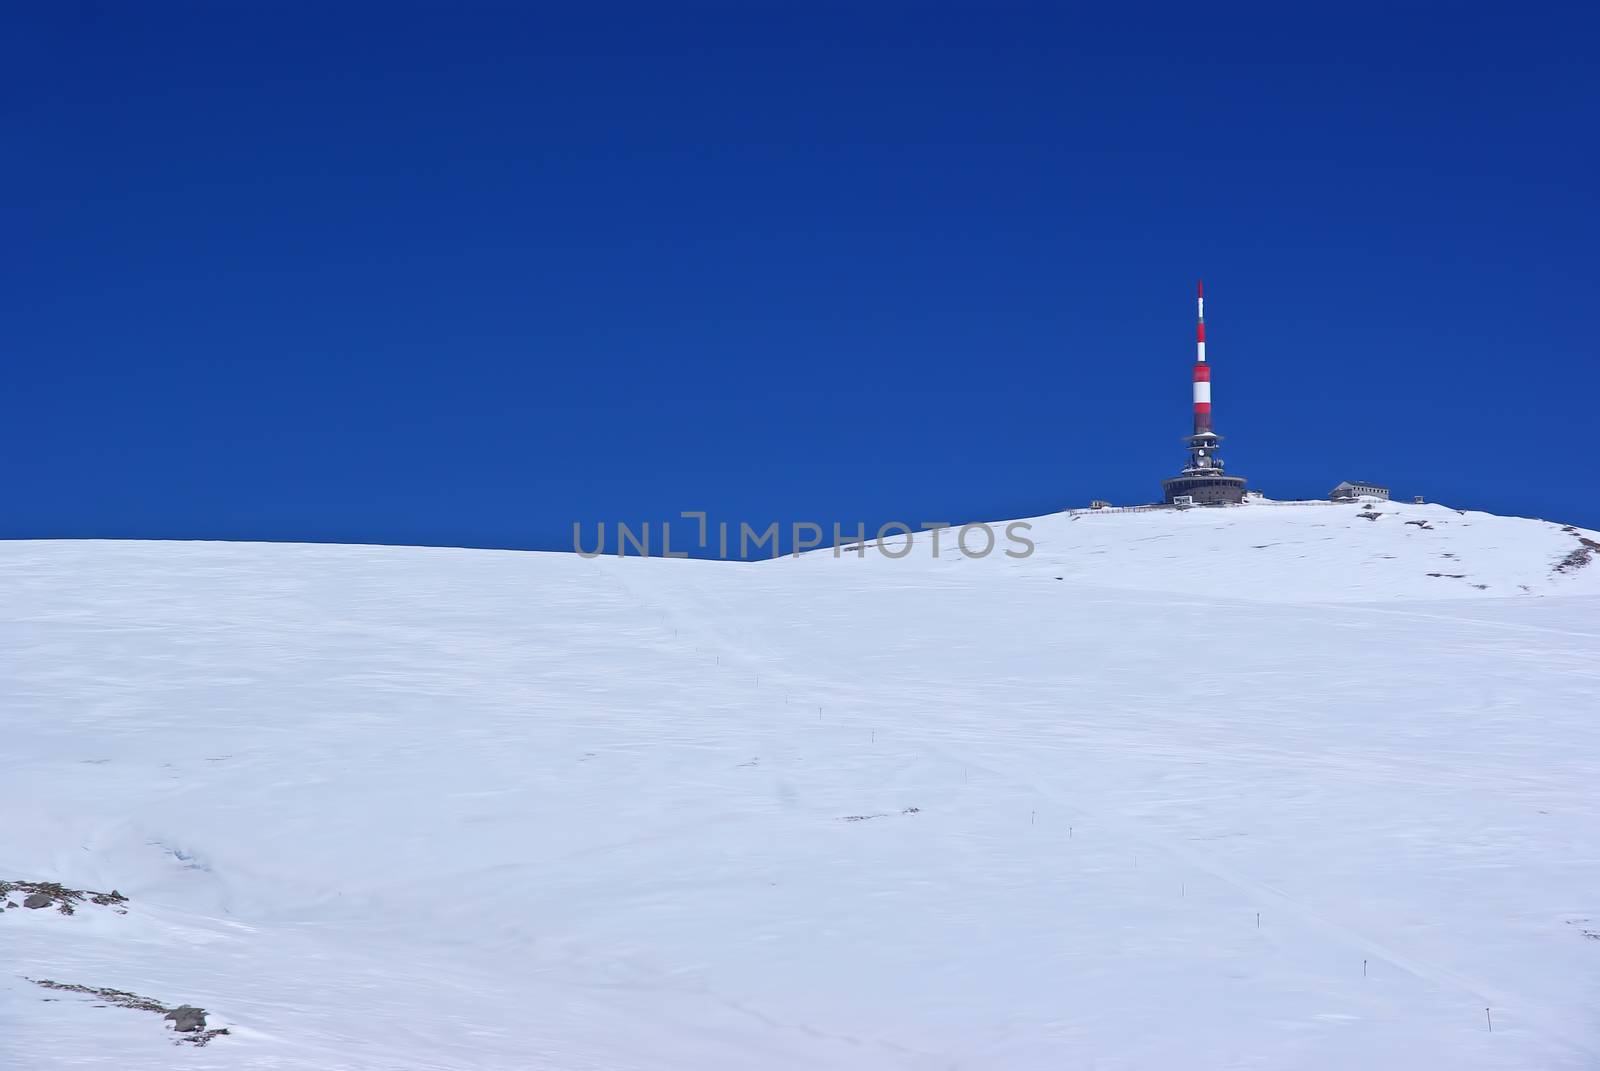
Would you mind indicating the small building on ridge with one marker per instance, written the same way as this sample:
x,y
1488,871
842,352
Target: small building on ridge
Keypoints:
x,y
1349,491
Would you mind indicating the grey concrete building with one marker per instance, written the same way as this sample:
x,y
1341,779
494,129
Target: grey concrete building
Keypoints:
x,y
1350,490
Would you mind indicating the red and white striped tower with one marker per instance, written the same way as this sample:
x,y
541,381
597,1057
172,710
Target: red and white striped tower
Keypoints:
x,y
1203,481
1202,371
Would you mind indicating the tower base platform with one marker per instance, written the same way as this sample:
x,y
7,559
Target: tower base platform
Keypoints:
x,y
1205,488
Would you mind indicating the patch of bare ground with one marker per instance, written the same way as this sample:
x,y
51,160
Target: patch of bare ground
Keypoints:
x,y
39,894
881,814
1578,558
186,1019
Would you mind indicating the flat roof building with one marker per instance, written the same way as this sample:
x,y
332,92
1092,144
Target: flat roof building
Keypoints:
x,y
1349,491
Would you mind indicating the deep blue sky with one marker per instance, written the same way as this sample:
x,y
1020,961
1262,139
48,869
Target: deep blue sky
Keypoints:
x,y
405,274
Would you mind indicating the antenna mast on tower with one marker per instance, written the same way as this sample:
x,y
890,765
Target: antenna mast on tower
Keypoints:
x,y
1202,481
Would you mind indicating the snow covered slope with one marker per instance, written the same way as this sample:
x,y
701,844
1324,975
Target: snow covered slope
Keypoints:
x,y
1221,788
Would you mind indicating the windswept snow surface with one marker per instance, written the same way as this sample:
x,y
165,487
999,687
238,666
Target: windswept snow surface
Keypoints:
x,y
1212,789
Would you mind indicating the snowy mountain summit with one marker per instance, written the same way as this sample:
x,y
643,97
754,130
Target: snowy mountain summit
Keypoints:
x,y
1291,785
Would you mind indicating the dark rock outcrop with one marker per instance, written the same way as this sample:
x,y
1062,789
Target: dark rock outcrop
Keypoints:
x,y
185,1018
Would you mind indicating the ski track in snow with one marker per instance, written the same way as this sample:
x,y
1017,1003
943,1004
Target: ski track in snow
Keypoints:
x,y
1242,788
